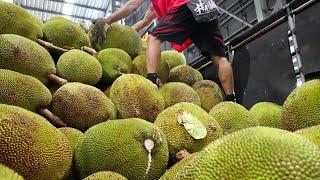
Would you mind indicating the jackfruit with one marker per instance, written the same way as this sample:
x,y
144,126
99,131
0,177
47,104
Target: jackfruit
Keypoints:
x,y
105,175
134,148
79,66
312,133
268,114
122,37
255,153
74,136
31,146
114,62
16,20
8,174
185,74
171,173
25,56
173,58
209,92
140,67
171,122
65,33
232,117
23,91
107,91
81,106
176,92
302,107
135,96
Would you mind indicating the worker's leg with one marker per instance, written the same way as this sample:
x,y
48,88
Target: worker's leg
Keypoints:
x,y
153,54
153,59
225,73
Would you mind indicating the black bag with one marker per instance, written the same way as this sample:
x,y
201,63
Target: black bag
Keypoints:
x,y
203,10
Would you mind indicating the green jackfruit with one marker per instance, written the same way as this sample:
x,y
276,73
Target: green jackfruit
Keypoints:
x,y
176,92
74,136
16,20
122,37
107,91
170,121
301,109
171,173
136,96
105,175
173,58
65,33
232,117
140,67
268,114
312,133
31,146
209,92
185,74
79,66
8,174
255,153
23,91
81,106
25,56
134,148
114,62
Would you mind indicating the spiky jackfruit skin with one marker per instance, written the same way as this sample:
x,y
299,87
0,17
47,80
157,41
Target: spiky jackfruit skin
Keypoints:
x,y
33,147
23,91
312,133
176,92
172,172
16,20
104,175
301,108
136,97
25,56
8,174
185,74
140,67
233,117
118,146
177,136
268,114
81,106
122,37
173,58
209,92
79,66
114,62
65,33
74,136
256,153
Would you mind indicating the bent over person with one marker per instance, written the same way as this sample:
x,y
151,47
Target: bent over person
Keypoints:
x,y
181,22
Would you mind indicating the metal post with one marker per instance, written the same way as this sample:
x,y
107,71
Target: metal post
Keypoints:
x,y
235,17
259,9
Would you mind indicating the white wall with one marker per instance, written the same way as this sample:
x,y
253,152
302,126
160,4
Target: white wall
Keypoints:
x,y
8,0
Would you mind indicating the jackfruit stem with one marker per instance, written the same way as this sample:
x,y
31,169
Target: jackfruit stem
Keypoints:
x,y
50,45
57,79
183,154
83,26
149,145
52,117
89,50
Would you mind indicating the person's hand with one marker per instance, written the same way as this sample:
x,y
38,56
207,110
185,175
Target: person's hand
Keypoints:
x,y
100,26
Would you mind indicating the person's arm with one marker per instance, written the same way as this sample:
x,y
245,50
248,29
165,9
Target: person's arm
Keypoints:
x,y
126,10
148,18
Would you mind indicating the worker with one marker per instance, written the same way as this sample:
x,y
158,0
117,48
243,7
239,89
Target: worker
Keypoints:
x,y
180,22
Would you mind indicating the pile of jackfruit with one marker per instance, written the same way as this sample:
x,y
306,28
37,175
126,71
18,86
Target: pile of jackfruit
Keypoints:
x,y
69,114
